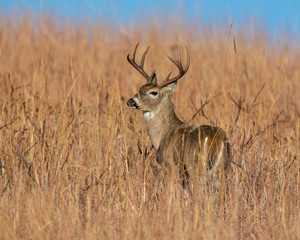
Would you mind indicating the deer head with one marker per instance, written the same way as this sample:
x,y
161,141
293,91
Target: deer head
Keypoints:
x,y
152,97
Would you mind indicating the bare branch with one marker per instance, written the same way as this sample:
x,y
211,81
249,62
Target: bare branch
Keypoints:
x,y
201,107
5,125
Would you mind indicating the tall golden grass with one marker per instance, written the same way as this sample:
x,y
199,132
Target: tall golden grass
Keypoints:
x,y
76,161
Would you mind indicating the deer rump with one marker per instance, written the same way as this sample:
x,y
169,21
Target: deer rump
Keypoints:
x,y
195,152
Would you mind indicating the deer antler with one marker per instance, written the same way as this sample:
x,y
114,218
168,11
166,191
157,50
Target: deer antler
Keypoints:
x,y
140,67
178,64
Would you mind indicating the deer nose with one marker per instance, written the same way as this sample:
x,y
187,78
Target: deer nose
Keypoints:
x,y
131,103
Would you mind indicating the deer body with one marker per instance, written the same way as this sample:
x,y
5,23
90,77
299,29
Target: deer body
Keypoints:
x,y
190,151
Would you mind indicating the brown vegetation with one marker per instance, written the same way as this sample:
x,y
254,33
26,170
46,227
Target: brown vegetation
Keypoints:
x,y
76,161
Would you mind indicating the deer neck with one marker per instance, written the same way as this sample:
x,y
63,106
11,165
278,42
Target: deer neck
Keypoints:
x,y
162,122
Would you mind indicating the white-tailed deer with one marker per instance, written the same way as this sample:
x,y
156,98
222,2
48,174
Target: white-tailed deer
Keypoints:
x,y
185,150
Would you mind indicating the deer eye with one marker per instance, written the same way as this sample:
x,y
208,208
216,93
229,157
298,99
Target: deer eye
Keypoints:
x,y
153,93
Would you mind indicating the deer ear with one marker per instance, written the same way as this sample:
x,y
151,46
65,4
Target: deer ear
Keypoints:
x,y
170,87
154,78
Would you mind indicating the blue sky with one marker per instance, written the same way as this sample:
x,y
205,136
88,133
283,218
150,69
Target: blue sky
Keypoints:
x,y
275,15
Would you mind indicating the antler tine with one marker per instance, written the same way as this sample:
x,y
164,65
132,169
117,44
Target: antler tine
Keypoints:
x,y
143,57
179,56
188,59
134,51
178,64
140,67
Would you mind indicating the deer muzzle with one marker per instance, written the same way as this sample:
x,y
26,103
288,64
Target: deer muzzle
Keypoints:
x,y
131,103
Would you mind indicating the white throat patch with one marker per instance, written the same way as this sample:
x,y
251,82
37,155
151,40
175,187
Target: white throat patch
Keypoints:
x,y
147,115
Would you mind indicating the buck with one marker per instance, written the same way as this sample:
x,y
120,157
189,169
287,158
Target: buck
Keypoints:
x,y
186,150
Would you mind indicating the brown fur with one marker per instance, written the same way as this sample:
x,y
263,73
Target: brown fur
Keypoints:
x,y
191,152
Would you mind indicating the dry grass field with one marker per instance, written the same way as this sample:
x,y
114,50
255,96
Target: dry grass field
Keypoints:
x,y
76,160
